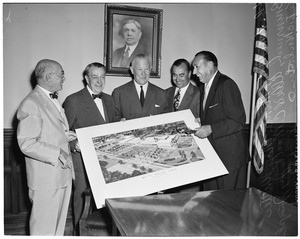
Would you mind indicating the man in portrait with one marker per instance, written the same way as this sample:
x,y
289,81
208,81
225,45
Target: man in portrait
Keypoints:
x,y
131,32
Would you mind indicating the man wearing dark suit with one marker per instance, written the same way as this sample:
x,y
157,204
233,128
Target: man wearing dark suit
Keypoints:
x,y
139,98
43,136
132,33
184,95
87,107
223,119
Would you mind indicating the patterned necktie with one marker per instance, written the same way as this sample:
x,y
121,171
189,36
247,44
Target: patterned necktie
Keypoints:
x,y
53,95
125,57
142,96
177,100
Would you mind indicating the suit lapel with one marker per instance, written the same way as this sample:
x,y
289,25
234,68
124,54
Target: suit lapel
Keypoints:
x,y
49,105
135,100
108,107
186,98
211,92
149,99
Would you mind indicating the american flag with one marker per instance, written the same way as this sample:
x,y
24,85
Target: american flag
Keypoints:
x,y
261,75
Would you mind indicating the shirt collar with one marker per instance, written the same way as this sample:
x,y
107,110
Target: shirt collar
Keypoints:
x,y
131,48
47,92
182,90
90,91
208,84
138,87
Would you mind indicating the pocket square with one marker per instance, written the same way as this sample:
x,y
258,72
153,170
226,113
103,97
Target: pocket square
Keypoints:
x,y
211,106
156,106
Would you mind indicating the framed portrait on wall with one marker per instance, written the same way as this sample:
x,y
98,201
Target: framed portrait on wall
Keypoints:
x,y
130,31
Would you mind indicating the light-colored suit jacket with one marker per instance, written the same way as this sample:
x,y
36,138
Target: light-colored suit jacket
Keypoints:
x,y
82,111
190,100
41,134
128,106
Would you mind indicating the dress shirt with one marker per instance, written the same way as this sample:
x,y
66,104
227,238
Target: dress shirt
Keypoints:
x,y
207,88
138,88
58,107
131,49
54,101
182,92
98,102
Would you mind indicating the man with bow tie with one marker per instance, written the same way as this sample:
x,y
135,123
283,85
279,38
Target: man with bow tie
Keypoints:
x,y
43,136
87,107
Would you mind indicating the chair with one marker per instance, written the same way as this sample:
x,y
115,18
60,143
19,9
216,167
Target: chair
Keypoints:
x,y
93,221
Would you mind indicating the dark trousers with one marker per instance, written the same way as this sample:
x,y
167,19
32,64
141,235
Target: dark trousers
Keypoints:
x,y
235,179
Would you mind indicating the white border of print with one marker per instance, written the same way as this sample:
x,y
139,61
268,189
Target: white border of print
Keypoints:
x,y
153,182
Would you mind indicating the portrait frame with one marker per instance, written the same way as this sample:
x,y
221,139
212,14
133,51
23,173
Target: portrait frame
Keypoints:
x,y
149,44
117,156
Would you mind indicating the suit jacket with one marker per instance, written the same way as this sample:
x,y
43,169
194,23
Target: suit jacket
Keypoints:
x,y
118,54
127,102
225,112
41,134
190,100
82,111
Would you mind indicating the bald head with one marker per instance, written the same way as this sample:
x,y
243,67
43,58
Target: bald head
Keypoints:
x,y
49,74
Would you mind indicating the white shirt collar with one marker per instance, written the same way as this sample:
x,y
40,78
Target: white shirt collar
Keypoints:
x,y
182,90
131,48
138,87
208,84
90,90
47,92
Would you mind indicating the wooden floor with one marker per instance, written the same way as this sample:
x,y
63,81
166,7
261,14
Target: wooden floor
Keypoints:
x,y
17,224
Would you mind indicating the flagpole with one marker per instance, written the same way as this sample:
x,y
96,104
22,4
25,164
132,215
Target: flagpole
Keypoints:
x,y
251,127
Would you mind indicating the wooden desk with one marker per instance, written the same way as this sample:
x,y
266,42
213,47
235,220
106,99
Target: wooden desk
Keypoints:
x,y
244,212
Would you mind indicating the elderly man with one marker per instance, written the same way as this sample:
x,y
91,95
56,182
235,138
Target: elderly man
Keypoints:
x,y
184,95
131,32
139,98
43,136
87,107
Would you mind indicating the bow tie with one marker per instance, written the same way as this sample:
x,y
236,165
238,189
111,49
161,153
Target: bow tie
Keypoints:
x,y
97,96
53,95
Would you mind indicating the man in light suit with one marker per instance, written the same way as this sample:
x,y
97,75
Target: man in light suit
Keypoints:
x,y
184,95
222,121
87,107
139,98
43,136
132,33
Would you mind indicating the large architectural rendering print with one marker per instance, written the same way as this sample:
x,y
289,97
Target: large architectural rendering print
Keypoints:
x,y
146,155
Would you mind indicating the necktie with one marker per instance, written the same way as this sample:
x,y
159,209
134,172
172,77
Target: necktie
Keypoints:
x,y
97,96
53,95
142,97
205,94
177,100
125,57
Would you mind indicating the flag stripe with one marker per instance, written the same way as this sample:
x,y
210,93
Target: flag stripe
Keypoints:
x,y
260,68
